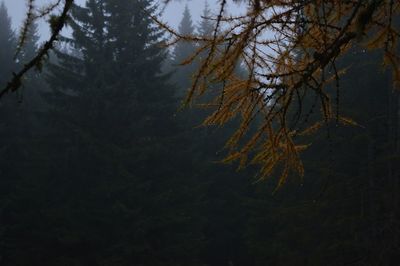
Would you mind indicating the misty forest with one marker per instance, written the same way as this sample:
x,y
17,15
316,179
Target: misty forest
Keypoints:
x,y
105,161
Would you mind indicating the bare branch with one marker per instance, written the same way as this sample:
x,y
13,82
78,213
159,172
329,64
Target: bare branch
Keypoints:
x,y
57,25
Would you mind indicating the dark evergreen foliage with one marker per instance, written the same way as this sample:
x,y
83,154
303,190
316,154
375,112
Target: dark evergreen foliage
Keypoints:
x,y
114,132
182,52
206,26
8,43
98,166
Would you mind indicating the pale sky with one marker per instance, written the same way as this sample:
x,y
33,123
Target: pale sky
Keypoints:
x,y
172,14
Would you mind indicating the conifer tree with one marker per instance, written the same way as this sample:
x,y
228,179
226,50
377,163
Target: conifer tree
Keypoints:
x,y
18,161
112,138
182,51
206,26
31,101
7,44
28,51
8,106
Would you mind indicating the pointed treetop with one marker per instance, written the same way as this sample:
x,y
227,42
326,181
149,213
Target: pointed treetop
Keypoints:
x,y
30,47
186,26
3,7
7,45
206,27
184,49
5,24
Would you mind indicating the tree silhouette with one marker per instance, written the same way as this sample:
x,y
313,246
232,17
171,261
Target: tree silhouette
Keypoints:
x,y
290,49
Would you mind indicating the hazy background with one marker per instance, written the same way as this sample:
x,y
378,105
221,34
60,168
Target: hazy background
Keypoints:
x,y
172,13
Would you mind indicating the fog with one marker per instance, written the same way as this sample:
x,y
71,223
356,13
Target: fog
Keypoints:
x,y
109,158
172,12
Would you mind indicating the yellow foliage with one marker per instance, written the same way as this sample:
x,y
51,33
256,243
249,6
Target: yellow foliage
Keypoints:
x,y
289,49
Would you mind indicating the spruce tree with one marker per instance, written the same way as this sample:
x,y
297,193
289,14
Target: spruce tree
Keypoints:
x,y
29,49
183,51
115,166
206,26
8,105
34,81
7,44
18,160
222,209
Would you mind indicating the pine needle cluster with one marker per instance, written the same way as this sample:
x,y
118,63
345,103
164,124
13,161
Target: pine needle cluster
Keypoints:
x,y
290,49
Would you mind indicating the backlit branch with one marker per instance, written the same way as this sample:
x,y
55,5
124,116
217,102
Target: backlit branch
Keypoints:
x,y
290,49
57,23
